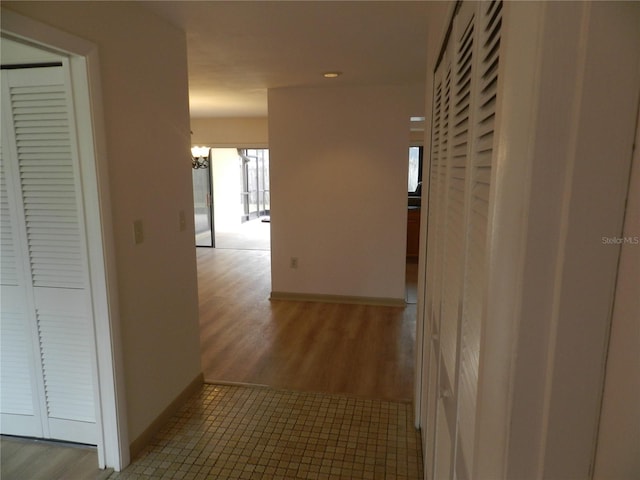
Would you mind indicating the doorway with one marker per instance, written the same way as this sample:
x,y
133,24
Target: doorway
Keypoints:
x,y
48,358
102,370
240,198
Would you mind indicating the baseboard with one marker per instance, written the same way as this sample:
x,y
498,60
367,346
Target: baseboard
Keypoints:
x,y
307,297
236,384
136,447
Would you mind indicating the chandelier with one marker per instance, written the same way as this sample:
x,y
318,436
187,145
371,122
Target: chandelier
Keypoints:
x,y
200,157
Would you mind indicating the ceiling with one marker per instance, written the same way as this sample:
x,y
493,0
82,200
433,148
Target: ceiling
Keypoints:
x,y
239,49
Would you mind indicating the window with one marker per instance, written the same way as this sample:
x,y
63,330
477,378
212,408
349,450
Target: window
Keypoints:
x,y
415,168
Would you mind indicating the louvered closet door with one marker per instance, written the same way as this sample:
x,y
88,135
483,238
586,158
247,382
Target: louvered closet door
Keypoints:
x,y
19,398
39,150
481,159
462,140
443,440
460,71
436,184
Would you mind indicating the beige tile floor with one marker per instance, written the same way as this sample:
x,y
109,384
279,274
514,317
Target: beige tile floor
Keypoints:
x,y
244,432
251,235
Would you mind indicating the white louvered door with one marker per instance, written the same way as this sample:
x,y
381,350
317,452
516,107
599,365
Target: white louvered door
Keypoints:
x,y
432,255
19,398
465,89
489,22
46,301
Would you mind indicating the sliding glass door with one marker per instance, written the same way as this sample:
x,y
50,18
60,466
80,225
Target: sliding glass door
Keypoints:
x,y
203,205
254,164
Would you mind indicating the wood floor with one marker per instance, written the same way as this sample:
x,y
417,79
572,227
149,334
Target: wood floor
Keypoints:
x,y
358,350
23,459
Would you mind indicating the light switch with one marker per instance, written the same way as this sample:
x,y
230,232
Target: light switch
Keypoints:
x,y
138,232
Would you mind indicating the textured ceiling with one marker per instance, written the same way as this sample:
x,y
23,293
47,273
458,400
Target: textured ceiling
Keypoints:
x,y
237,50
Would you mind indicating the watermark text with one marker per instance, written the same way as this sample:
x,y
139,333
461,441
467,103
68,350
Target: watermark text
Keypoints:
x,y
621,240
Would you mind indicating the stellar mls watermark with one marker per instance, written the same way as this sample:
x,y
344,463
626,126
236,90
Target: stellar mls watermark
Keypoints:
x,y
621,240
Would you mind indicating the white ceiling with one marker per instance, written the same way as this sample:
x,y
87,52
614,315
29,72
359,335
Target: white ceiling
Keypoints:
x,y
237,49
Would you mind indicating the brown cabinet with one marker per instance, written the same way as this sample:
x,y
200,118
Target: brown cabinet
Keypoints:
x,y
413,232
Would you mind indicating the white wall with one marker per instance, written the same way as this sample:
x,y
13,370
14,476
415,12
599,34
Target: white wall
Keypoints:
x,y
15,53
597,161
249,132
339,190
147,131
618,450
227,208
564,150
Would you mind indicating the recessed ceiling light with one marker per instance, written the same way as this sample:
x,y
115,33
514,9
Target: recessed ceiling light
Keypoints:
x,y
331,74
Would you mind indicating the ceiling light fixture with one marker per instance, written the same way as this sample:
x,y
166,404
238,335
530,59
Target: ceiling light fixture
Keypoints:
x,y
200,157
331,74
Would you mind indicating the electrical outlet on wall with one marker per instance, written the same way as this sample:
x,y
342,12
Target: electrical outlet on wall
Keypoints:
x,y
293,263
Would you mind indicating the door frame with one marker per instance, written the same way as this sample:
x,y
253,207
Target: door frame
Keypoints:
x,y
209,172
244,175
113,438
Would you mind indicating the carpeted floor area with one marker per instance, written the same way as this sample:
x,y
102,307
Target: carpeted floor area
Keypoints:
x,y
244,432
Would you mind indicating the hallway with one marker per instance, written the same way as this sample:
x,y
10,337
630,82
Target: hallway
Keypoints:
x,y
339,407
